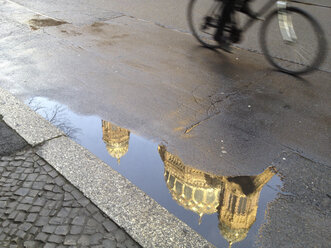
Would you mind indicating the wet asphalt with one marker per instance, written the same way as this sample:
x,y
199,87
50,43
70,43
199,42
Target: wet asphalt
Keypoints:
x,y
225,114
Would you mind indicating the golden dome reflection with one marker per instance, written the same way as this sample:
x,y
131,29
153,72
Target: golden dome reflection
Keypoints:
x,y
235,199
116,139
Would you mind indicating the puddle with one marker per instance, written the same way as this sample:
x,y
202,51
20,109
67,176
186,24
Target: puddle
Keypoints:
x,y
37,23
227,211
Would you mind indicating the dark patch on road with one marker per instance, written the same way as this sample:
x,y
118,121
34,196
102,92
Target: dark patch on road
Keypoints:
x,y
96,26
46,22
10,141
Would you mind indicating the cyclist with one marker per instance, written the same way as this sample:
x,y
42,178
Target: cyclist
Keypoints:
x,y
225,18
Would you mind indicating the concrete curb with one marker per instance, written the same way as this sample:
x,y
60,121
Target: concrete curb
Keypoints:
x,y
143,219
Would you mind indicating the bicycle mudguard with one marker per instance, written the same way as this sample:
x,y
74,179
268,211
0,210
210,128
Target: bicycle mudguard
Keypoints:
x,y
285,23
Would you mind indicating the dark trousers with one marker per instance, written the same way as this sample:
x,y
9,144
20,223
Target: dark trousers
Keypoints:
x,y
225,18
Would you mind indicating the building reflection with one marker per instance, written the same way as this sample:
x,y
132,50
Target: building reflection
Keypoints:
x,y
235,199
116,139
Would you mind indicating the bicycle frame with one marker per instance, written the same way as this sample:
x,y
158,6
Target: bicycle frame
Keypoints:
x,y
260,13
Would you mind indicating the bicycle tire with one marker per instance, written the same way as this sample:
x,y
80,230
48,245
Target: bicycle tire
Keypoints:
x,y
195,18
284,62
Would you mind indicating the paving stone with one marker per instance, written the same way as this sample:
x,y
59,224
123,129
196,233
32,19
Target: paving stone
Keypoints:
x,y
56,221
53,174
109,243
23,207
79,220
110,226
31,244
49,187
35,209
84,201
96,238
39,202
27,200
62,230
3,204
64,212
84,240
32,177
68,188
76,194
33,193
76,230
99,217
21,234
42,221
42,237
48,229
71,240
120,235
20,217
56,239
22,191
68,197
25,226
49,245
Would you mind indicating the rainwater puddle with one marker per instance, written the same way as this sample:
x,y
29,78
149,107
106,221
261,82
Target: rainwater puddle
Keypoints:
x,y
224,210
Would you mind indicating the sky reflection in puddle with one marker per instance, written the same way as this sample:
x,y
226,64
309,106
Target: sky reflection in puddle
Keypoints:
x,y
222,209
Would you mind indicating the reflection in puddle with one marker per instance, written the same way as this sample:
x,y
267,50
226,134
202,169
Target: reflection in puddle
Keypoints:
x,y
213,205
235,199
116,139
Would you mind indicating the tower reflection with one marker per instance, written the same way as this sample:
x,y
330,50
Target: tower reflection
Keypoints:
x,y
235,199
116,139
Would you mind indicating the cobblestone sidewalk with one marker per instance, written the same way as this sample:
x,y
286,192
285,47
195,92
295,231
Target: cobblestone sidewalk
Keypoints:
x,y
39,208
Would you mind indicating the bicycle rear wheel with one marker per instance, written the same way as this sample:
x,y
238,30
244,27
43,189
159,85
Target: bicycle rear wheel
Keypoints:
x,y
293,43
202,17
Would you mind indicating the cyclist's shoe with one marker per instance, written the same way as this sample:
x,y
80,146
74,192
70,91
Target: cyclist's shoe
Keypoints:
x,y
225,45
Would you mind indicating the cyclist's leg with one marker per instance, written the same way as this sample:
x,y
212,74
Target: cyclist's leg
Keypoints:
x,y
225,18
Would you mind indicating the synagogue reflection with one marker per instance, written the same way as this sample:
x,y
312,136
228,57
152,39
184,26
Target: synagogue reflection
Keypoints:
x,y
235,199
116,139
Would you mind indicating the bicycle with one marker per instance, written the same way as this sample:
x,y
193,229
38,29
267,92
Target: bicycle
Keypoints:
x,y
291,39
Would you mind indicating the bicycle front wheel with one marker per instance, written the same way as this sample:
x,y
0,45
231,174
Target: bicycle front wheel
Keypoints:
x,y
293,41
203,16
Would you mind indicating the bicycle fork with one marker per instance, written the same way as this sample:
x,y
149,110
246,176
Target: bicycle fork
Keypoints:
x,y
285,23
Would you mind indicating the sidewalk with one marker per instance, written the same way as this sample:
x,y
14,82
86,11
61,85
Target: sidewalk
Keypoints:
x,y
39,207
